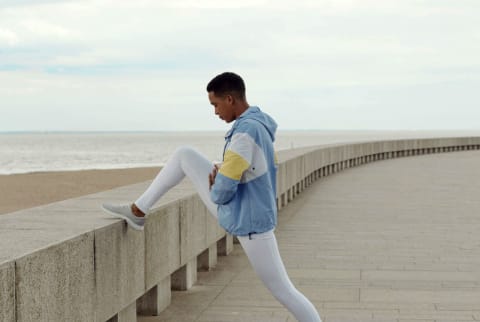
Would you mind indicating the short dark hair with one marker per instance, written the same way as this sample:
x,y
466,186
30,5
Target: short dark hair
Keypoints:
x,y
227,83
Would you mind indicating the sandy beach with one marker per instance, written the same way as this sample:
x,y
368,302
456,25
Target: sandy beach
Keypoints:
x,y
22,191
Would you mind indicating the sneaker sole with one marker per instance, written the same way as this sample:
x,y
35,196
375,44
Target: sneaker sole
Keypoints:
x,y
129,221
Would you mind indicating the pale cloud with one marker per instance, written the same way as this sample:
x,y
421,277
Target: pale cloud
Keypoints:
x,y
45,30
8,38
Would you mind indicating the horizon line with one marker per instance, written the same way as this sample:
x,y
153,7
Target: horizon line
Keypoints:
x,y
212,131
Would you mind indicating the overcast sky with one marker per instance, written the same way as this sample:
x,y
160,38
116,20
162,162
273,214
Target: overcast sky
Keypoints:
x,y
144,64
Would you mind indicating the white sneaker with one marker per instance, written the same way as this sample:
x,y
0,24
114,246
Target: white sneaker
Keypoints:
x,y
125,212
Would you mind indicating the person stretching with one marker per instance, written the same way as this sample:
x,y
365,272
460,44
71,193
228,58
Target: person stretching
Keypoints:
x,y
240,192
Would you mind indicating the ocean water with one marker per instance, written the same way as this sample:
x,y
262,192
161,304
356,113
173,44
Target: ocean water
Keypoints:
x,y
38,152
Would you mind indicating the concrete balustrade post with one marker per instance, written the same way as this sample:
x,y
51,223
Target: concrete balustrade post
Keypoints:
x,y
282,201
184,278
156,300
7,292
128,314
225,245
208,258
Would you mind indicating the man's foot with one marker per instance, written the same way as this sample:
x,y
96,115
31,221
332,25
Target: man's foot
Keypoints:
x,y
125,212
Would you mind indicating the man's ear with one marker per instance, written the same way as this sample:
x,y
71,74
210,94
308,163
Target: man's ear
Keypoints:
x,y
230,99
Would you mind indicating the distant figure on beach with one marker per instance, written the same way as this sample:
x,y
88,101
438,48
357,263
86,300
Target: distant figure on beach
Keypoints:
x,y
240,192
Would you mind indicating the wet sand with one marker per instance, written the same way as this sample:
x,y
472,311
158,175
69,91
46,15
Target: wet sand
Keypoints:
x,y
22,191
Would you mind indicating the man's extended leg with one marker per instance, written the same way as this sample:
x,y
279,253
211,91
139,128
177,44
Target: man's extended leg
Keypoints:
x,y
262,251
184,162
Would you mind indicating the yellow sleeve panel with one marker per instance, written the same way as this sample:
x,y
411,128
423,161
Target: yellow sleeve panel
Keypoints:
x,y
234,165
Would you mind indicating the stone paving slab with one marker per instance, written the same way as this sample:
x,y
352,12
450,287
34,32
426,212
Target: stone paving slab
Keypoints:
x,y
394,240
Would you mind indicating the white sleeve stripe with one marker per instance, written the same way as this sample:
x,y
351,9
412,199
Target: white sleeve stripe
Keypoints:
x,y
244,145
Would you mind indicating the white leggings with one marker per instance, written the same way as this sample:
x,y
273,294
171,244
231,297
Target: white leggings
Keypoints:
x,y
261,249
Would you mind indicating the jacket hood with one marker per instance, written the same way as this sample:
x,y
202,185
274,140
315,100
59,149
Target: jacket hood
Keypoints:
x,y
254,113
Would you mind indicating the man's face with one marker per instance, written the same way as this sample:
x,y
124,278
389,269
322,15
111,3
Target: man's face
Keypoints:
x,y
223,106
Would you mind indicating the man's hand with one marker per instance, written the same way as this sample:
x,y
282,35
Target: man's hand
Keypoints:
x,y
211,176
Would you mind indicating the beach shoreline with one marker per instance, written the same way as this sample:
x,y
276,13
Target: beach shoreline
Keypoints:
x,y
28,190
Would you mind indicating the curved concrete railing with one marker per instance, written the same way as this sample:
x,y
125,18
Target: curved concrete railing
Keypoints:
x,y
68,262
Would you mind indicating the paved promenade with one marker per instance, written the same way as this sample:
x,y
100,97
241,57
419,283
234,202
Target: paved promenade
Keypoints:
x,y
393,240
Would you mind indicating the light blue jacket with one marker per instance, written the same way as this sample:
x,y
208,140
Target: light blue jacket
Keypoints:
x,y
245,186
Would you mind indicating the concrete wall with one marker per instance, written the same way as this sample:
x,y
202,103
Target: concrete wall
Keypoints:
x,y
68,261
